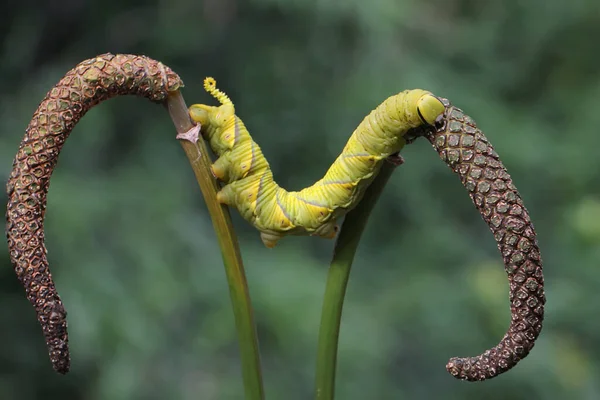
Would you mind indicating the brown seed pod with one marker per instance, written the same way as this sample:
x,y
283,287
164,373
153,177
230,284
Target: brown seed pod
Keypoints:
x,y
89,83
469,154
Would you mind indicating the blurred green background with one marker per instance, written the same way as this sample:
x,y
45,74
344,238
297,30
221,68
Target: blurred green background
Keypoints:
x,y
131,245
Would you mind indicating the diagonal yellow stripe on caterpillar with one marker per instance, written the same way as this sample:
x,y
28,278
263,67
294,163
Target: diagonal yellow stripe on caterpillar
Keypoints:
x,y
276,212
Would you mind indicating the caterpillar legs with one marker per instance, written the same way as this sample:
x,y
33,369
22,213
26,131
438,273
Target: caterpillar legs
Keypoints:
x,y
328,230
219,168
395,159
270,238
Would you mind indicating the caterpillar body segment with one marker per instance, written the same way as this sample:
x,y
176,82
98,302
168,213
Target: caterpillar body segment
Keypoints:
x,y
276,212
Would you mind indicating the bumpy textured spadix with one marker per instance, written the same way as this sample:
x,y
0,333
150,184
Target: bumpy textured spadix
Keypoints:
x,y
86,85
469,154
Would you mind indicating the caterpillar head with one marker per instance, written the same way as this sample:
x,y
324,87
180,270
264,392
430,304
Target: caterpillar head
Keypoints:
x,y
429,108
422,107
421,110
210,115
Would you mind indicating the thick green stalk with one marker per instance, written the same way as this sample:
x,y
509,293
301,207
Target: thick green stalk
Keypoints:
x,y
337,280
199,158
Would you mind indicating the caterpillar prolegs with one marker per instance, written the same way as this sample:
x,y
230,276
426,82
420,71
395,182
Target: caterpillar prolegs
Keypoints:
x,y
250,188
276,212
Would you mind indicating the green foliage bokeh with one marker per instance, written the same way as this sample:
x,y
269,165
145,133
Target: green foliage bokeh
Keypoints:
x,y
131,245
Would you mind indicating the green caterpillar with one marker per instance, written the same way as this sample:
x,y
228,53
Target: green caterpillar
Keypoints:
x,y
275,212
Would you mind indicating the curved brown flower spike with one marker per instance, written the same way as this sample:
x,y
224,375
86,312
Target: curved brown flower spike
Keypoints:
x,y
467,151
89,83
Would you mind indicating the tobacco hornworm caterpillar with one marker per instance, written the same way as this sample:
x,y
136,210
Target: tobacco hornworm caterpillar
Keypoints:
x,y
89,83
274,211
469,154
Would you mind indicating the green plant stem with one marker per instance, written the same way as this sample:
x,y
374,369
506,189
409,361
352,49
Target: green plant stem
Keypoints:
x,y
199,158
337,281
